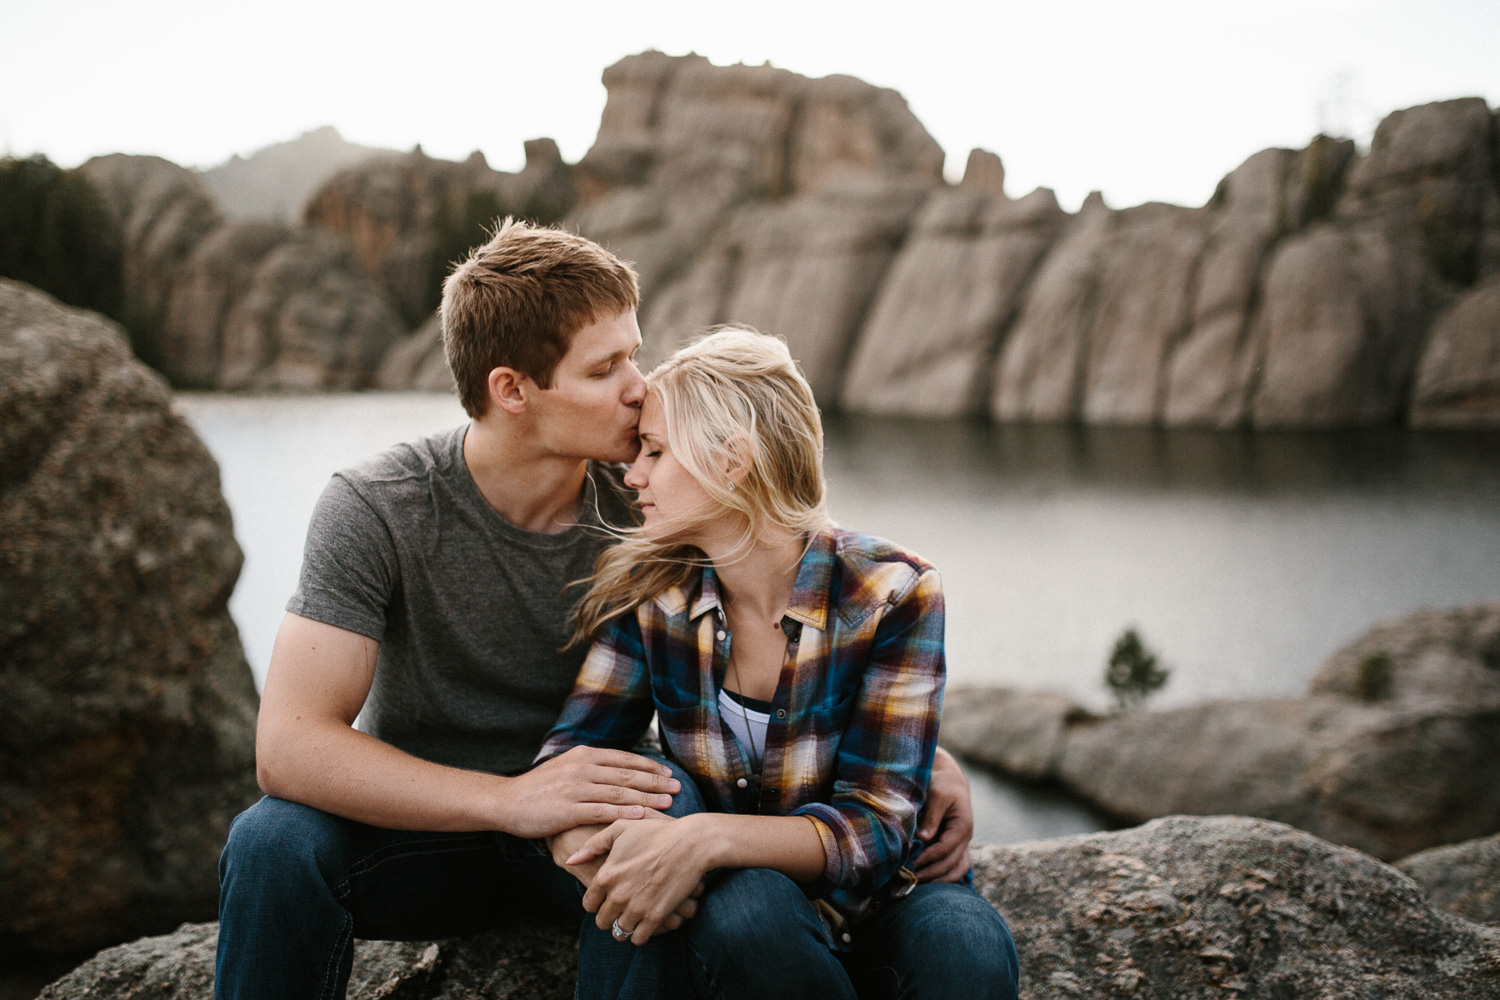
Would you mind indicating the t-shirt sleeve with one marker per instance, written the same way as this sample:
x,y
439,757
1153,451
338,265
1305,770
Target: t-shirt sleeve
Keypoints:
x,y
348,564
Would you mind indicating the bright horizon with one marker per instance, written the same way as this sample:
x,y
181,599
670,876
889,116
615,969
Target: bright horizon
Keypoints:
x,y
1155,100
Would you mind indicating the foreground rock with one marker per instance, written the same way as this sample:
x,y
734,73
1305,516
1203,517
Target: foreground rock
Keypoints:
x,y
126,707
1227,906
1392,752
1182,908
1463,879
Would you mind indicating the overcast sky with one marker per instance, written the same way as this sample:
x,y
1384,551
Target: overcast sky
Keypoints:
x,y
1142,99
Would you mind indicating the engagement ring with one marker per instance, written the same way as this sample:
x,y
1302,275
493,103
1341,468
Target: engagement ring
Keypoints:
x,y
619,933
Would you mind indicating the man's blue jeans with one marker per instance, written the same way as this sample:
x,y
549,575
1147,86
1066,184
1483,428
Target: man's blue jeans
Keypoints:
x,y
297,886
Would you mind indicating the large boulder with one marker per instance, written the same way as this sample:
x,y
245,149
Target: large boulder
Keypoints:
x,y
1140,301
1458,376
127,710
1391,752
1463,879
947,301
1185,908
1181,909
1389,781
1427,181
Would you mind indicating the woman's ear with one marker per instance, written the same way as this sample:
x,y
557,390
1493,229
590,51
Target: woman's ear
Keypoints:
x,y
508,389
741,459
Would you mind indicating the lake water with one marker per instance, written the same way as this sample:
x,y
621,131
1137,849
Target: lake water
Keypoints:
x,y
1243,560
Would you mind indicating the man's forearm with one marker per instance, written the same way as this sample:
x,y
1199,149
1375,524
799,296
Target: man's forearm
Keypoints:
x,y
342,771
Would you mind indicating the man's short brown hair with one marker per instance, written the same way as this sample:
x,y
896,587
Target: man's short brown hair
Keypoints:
x,y
518,299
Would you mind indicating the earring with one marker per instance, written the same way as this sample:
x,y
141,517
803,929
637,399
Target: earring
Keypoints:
x,y
731,486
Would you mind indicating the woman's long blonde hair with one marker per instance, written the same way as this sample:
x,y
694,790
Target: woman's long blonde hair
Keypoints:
x,y
732,399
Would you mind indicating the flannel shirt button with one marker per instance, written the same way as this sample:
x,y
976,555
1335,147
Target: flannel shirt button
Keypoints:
x,y
846,937
722,635
742,783
781,713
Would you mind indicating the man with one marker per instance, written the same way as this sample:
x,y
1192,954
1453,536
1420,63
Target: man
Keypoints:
x,y
433,605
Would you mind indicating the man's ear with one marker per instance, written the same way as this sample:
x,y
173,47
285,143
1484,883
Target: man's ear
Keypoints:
x,y
509,389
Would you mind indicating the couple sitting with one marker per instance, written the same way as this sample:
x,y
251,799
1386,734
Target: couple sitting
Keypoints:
x,y
795,670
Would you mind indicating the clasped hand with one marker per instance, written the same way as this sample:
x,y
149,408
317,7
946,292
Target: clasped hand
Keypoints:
x,y
651,877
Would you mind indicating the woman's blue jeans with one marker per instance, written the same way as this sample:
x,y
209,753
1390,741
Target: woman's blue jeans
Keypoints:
x,y
756,935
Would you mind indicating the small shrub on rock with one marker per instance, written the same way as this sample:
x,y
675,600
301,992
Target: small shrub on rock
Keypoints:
x,y
1133,674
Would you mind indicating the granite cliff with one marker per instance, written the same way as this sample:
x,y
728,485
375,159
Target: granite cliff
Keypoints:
x,y
1318,287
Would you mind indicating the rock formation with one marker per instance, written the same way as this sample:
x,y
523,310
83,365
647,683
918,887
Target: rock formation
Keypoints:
x,y
1458,378
127,710
1181,909
1392,751
750,194
310,319
239,305
409,216
1319,287
947,303
418,362
164,213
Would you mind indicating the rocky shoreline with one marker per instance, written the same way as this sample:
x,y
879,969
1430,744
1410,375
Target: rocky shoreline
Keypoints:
x,y
1320,287
1392,751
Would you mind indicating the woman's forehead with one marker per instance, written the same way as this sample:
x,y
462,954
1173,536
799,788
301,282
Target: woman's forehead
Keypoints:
x,y
653,416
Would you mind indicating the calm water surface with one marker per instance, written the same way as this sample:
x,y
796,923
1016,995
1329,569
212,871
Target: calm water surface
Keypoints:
x,y
1243,560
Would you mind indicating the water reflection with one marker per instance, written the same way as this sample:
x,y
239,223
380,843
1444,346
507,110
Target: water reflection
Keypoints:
x,y
1006,812
983,458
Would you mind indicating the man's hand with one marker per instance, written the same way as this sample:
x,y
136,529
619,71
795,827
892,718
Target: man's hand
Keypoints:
x,y
651,877
584,786
947,823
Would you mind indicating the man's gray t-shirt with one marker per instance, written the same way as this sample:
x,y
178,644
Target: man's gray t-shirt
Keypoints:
x,y
469,610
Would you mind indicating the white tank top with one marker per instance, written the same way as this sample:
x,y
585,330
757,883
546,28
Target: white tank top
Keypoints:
x,y
746,722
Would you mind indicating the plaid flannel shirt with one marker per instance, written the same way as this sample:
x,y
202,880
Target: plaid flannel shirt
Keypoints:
x,y
854,720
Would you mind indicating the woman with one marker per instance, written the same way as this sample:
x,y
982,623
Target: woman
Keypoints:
x,y
796,671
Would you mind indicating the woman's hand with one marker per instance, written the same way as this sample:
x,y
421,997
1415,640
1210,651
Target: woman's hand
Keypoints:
x,y
652,873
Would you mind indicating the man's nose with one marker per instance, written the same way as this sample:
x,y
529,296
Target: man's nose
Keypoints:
x,y
635,393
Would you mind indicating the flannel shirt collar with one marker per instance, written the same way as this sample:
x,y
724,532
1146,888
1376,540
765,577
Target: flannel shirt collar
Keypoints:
x,y
809,603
